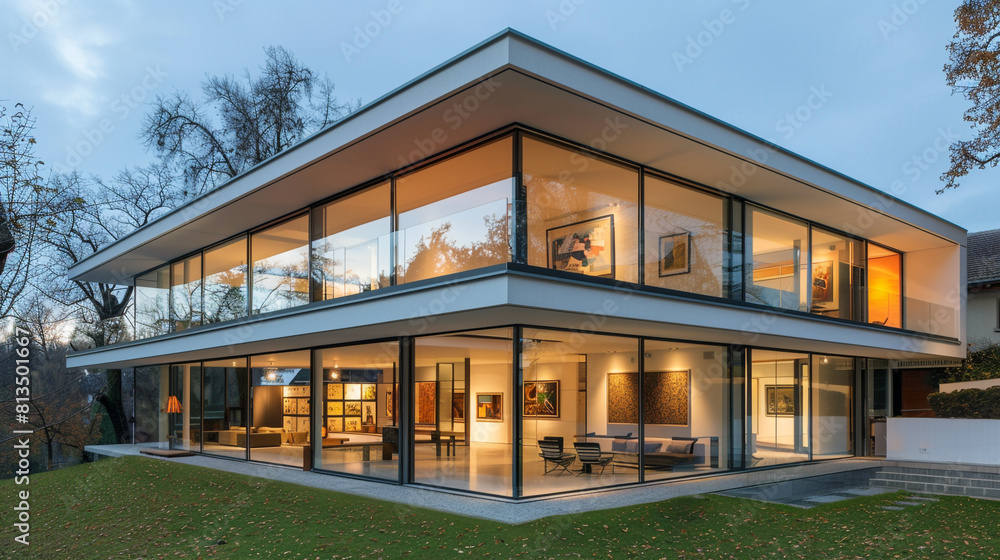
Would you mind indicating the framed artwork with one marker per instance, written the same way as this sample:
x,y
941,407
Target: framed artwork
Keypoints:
x,y
295,391
352,424
335,391
666,397
824,286
780,400
623,398
541,399
587,247
368,414
302,425
352,391
352,408
389,404
289,424
335,424
303,406
675,254
335,408
426,402
458,406
368,391
289,406
489,407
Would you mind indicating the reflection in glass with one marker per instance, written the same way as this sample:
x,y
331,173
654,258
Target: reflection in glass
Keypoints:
x,y
884,288
778,425
832,386
281,266
225,409
455,215
837,273
184,390
454,448
185,293
152,303
280,400
777,272
226,281
352,244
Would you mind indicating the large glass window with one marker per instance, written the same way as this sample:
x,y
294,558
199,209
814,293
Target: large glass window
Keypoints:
x,y
183,407
225,409
226,281
455,215
152,396
837,275
463,417
352,244
185,292
778,412
777,269
152,303
884,287
580,391
685,238
281,266
582,212
280,404
360,409
832,398
685,397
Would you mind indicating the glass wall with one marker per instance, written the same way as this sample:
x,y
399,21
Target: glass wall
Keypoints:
x,y
152,303
225,408
837,275
885,306
352,244
832,400
583,212
280,266
280,401
580,390
685,399
777,260
152,393
455,215
359,409
185,292
226,281
778,411
685,237
463,418
184,392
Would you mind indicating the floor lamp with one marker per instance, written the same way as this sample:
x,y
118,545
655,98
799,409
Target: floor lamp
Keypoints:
x,y
173,407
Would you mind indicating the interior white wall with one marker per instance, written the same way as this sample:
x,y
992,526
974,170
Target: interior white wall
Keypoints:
x,y
490,378
932,276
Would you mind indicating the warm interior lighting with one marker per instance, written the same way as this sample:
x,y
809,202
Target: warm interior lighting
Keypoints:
x,y
271,373
173,405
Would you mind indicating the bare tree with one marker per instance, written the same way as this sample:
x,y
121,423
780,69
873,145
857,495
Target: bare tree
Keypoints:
x,y
242,121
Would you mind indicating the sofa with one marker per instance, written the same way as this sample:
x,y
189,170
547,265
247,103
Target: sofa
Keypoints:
x,y
238,438
660,453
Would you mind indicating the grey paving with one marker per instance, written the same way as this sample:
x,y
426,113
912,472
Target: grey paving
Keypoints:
x,y
510,511
827,499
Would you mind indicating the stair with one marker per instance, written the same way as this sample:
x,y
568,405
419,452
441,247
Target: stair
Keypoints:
x,y
954,481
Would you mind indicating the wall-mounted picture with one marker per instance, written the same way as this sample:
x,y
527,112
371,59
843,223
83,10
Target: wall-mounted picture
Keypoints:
x,y
335,391
780,400
623,398
289,406
489,407
296,391
824,286
368,391
390,407
303,406
289,424
458,407
675,254
426,398
541,399
352,408
368,414
352,391
352,424
335,424
302,424
666,397
587,247
335,408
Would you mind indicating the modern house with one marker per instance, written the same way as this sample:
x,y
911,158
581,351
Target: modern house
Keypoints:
x,y
517,268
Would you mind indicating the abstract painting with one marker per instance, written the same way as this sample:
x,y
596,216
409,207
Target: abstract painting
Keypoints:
x,y
489,407
780,400
666,397
587,247
426,402
675,253
623,398
541,399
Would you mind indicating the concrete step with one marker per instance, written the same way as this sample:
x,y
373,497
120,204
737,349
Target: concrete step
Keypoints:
x,y
957,472
941,479
936,488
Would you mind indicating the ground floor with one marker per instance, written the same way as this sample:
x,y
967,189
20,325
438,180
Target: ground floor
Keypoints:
x,y
517,411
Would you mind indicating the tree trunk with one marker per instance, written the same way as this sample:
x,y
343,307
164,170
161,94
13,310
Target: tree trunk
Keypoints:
x,y
111,400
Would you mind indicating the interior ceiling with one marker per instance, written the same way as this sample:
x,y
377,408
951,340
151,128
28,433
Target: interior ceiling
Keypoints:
x,y
540,105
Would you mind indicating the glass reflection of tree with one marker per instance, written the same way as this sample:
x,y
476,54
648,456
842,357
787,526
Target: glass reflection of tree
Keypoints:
x,y
439,253
280,282
225,295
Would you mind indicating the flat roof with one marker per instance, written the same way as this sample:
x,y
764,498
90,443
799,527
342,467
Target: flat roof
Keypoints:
x,y
513,78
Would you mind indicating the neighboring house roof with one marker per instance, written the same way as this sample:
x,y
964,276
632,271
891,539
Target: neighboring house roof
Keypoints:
x,y
984,258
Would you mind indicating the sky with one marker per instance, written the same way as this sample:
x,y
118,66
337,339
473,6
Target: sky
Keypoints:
x,y
856,86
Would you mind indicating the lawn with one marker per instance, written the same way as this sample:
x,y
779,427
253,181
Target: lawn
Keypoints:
x,y
135,507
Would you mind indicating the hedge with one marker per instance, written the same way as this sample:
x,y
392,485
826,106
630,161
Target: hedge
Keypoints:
x,y
967,403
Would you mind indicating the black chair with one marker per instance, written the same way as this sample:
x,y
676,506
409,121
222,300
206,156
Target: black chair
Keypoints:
x,y
553,455
590,455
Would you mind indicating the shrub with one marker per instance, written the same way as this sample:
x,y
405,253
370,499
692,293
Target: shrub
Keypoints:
x,y
967,403
981,364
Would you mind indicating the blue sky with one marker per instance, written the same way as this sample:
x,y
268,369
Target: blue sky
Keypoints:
x,y
856,86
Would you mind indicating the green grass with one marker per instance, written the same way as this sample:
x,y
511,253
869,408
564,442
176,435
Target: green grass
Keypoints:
x,y
136,507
